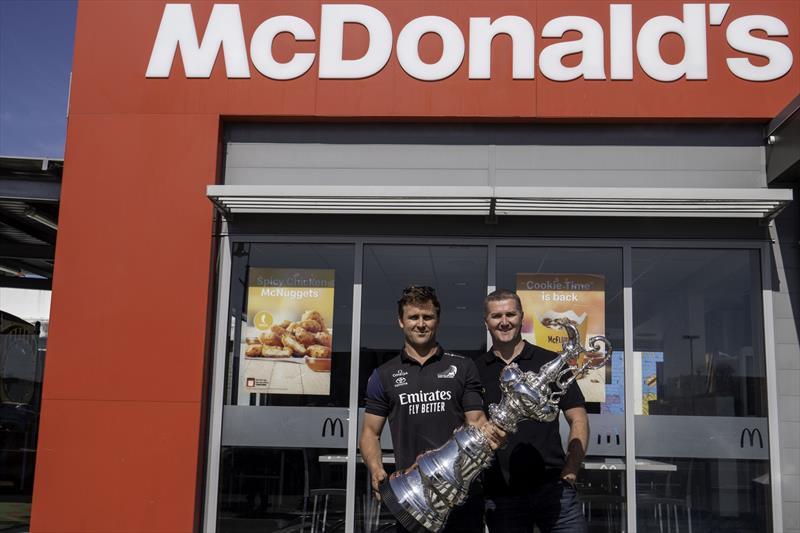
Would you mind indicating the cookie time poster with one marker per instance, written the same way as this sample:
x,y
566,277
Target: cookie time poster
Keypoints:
x,y
578,297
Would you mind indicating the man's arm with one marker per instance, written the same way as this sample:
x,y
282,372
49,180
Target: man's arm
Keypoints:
x,y
577,443
370,444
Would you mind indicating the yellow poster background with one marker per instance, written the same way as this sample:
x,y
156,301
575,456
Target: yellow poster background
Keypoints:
x,y
579,297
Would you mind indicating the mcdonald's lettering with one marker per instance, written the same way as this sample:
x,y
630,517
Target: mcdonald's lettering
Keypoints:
x,y
333,423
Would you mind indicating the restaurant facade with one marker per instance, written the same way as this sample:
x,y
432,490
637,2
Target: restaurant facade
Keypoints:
x,y
249,186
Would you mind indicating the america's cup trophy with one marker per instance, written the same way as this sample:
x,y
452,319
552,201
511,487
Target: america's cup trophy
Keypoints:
x,y
421,497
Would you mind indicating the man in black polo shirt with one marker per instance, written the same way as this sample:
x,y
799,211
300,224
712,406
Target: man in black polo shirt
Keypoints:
x,y
532,480
426,393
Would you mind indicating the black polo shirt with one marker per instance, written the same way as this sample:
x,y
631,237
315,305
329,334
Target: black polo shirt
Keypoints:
x,y
423,402
534,454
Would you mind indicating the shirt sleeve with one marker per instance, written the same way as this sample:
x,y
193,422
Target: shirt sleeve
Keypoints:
x,y
572,398
377,401
472,400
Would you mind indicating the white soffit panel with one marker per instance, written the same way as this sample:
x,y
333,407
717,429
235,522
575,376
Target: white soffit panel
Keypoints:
x,y
556,201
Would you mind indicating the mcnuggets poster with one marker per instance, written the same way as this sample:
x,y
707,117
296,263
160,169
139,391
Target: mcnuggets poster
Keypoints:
x,y
288,337
578,297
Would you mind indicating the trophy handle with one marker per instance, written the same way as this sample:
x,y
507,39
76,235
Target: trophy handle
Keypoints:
x,y
596,356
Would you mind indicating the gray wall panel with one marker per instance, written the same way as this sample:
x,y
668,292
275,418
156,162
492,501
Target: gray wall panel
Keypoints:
x,y
356,176
784,303
786,331
786,300
459,165
791,486
644,178
789,385
791,462
356,156
790,434
787,357
631,158
789,411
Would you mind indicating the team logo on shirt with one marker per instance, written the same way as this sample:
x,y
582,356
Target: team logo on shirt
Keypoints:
x,y
449,373
400,382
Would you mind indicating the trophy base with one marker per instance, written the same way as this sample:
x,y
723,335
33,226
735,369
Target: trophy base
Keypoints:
x,y
403,517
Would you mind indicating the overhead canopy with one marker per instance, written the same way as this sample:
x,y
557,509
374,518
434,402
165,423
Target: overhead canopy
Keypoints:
x,y
30,189
783,150
538,201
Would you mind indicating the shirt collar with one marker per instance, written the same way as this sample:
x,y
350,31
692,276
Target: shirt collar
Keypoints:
x,y
526,353
405,358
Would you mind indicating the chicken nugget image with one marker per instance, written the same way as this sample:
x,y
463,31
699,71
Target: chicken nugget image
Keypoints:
x,y
324,338
253,350
313,315
306,338
318,350
273,351
290,342
269,338
310,325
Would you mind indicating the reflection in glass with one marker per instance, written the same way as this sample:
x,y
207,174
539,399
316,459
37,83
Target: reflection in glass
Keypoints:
x,y
601,485
700,389
21,366
286,490
703,495
697,319
603,262
601,482
271,478
458,273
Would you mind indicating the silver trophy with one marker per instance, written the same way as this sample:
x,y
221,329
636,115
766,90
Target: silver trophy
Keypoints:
x,y
422,497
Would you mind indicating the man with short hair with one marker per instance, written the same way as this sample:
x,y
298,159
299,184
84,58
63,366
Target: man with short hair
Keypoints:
x,y
532,480
426,393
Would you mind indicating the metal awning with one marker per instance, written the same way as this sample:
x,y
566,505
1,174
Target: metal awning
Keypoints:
x,y
538,201
30,189
783,147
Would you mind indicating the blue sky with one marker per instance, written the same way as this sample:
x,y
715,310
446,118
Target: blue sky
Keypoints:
x,y
36,42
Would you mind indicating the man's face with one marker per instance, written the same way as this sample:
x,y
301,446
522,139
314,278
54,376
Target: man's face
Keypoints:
x,y
419,323
503,320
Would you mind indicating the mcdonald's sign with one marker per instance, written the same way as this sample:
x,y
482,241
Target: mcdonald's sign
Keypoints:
x,y
333,423
751,433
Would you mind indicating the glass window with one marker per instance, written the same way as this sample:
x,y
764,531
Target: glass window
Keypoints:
x,y
458,273
284,438
277,291
700,390
585,284
22,353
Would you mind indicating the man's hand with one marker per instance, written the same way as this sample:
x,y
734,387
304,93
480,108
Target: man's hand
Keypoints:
x,y
378,477
497,437
569,477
